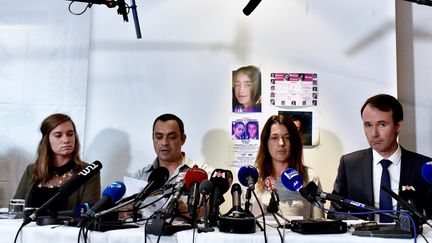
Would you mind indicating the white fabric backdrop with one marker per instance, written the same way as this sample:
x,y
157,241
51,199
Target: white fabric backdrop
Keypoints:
x,y
43,69
183,65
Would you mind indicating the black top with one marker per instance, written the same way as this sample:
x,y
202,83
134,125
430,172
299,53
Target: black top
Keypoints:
x,y
43,191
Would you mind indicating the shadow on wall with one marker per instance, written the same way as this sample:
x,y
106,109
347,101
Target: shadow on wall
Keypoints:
x,y
13,162
216,148
324,158
112,148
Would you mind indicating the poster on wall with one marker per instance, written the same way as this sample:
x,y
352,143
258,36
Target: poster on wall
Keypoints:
x,y
246,89
303,121
245,136
294,89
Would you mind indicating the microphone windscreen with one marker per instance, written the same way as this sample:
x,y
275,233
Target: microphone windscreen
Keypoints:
x,y
159,175
221,178
270,183
245,172
427,172
291,179
205,187
115,191
81,209
79,179
194,175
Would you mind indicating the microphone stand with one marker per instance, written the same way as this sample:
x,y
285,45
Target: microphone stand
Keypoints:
x,y
206,227
247,206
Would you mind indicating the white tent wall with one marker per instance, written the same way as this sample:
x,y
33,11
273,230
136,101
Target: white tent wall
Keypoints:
x,y
183,65
43,69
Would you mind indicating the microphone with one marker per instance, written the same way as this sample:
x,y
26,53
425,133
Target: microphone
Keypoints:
x,y
273,206
68,188
78,210
236,192
112,193
250,7
421,2
248,176
405,203
311,191
427,172
110,4
221,180
169,206
205,189
157,178
193,178
291,179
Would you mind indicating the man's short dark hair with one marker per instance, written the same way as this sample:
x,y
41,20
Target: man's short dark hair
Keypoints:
x,y
169,117
385,102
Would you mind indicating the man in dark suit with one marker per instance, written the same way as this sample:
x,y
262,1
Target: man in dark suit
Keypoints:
x,y
361,173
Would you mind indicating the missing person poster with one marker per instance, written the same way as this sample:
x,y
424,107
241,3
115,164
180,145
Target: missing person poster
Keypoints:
x,y
245,136
294,89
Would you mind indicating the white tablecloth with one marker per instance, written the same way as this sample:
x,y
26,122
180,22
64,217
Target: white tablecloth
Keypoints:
x,y
33,233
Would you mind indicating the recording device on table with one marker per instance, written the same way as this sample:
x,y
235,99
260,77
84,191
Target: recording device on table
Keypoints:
x,y
238,220
402,229
293,181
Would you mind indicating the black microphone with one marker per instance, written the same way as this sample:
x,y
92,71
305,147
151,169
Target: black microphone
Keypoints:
x,y
168,208
221,180
109,4
157,178
205,189
311,190
421,2
236,209
405,204
250,7
273,206
68,188
122,9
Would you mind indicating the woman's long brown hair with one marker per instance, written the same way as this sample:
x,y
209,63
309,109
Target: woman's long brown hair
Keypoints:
x,y
263,160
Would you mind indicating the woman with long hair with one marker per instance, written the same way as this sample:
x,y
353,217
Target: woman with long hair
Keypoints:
x,y
281,148
57,161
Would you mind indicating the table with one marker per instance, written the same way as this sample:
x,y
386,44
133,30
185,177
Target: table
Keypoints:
x,y
33,233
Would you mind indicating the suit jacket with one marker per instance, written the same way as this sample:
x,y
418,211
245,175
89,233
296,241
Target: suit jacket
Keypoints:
x,y
354,179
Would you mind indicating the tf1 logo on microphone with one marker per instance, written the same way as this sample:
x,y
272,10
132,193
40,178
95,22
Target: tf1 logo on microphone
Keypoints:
x,y
88,169
250,7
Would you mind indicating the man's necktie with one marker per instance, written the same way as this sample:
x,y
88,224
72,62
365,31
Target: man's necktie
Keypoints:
x,y
385,199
